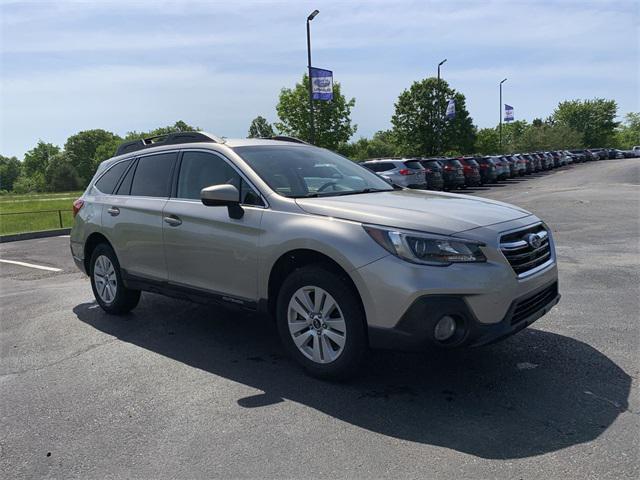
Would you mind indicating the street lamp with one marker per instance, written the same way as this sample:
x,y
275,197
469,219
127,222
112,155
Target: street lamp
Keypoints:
x,y
439,109
312,132
440,64
504,80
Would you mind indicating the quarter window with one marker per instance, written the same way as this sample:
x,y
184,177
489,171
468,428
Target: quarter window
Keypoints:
x,y
109,180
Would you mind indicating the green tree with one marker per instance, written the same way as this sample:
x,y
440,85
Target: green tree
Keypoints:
x,y
419,124
179,126
10,168
380,145
37,159
61,175
547,137
260,128
333,126
30,183
511,133
81,149
106,150
593,119
487,141
628,133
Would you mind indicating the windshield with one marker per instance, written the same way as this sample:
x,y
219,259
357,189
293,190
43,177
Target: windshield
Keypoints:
x,y
306,171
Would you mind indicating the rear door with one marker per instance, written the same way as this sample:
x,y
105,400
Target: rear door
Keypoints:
x,y
205,248
132,219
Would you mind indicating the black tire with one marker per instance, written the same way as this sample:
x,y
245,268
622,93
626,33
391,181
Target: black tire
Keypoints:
x,y
124,299
355,348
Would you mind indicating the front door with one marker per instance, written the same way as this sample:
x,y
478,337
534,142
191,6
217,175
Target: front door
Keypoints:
x,y
205,248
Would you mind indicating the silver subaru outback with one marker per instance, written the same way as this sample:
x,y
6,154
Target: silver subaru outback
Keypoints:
x,y
340,259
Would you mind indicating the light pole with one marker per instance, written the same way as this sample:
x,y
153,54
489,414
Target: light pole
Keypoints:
x,y
312,133
504,80
439,109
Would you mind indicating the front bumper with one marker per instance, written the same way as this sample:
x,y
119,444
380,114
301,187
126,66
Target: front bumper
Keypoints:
x,y
415,329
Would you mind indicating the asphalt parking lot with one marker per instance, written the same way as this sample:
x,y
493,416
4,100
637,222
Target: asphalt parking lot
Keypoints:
x,y
178,390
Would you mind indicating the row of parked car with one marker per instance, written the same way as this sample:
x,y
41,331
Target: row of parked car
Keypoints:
x,y
442,173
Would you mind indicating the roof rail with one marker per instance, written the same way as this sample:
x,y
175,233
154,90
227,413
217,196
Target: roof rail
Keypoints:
x,y
166,139
285,138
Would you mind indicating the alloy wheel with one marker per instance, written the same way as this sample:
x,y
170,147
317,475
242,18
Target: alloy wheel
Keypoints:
x,y
104,276
316,324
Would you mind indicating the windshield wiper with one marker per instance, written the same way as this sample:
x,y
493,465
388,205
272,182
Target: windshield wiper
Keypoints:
x,y
366,190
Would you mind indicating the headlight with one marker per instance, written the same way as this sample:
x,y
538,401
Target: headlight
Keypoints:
x,y
425,248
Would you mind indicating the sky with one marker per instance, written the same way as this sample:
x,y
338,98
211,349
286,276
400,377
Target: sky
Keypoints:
x,y
68,66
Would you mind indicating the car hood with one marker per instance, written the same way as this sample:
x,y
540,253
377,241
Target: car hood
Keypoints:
x,y
433,212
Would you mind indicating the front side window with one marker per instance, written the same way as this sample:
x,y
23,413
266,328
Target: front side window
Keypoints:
x,y
153,175
199,170
306,171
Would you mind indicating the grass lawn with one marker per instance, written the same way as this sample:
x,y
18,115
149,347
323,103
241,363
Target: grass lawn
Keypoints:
x,y
43,208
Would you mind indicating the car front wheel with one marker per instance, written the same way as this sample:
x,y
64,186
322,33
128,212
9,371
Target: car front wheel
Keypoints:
x,y
321,323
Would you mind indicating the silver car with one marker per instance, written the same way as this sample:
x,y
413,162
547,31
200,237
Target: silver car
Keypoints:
x,y
401,172
341,260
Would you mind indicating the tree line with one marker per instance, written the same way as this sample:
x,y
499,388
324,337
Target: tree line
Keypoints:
x,y
418,128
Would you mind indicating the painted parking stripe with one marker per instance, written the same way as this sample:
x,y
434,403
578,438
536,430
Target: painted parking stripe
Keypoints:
x,y
31,265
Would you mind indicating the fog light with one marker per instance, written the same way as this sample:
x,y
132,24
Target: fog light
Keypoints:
x,y
445,328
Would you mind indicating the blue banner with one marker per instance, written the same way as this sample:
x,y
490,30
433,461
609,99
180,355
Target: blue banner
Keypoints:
x,y
508,113
321,84
451,109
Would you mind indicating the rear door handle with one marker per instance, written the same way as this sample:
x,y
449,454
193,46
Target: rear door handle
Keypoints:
x,y
173,220
114,211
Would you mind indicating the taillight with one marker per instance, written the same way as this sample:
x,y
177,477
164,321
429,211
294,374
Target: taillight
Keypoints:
x,y
484,165
427,170
447,167
467,168
77,205
405,171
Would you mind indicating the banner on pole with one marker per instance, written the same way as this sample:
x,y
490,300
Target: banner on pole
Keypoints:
x,y
321,84
508,113
451,109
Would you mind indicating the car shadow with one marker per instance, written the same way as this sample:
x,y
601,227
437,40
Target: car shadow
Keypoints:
x,y
534,393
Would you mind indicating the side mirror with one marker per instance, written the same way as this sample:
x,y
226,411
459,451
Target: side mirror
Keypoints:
x,y
223,196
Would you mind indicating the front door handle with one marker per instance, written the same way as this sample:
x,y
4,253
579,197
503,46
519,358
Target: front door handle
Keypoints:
x,y
173,220
114,211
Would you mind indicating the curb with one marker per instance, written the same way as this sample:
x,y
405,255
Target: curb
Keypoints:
x,y
31,235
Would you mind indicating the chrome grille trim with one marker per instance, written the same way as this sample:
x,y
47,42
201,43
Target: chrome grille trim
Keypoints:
x,y
525,260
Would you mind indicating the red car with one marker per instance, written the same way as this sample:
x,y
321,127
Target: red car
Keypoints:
x,y
471,171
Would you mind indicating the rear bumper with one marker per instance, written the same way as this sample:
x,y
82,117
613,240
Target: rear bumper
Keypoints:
x,y
472,180
453,180
414,331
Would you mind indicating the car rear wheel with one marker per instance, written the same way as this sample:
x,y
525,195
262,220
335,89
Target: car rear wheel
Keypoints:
x,y
107,285
321,323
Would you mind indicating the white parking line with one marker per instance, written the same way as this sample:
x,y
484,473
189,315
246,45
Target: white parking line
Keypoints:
x,y
31,265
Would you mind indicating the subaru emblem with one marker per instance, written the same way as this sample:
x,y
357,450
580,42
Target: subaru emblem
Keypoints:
x,y
533,240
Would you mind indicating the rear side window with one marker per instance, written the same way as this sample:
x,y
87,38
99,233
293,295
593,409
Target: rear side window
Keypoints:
x,y
153,175
109,180
414,165
380,167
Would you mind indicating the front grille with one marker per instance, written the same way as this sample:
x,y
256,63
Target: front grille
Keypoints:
x,y
527,307
520,249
